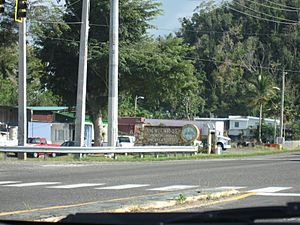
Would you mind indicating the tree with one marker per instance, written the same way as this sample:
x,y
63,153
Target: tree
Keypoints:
x,y
163,65
261,90
238,41
37,94
59,49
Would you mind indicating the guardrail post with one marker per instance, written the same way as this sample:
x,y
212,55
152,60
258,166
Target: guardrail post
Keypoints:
x,y
141,155
115,156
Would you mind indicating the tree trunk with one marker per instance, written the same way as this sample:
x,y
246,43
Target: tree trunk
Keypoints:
x,y
260,123
97,121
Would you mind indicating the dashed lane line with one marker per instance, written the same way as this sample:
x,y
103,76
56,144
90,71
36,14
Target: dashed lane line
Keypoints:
x,y
270,189
122,187
173,188
231,187
71,186
31,184
278,194
9,182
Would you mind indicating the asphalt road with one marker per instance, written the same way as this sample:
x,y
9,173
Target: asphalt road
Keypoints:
x,y
55,188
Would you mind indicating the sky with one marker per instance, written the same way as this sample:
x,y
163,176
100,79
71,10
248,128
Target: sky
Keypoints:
x,y
173,11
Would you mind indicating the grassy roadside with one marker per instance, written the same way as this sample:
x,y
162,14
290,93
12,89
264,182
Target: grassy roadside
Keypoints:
x,y
163,157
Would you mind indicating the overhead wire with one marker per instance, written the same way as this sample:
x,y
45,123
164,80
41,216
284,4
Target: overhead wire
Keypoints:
x,y
281,5
221,32
273,7
152,27
265,14
259,18
240,65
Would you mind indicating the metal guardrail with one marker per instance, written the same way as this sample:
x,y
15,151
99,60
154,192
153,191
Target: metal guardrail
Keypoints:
x,y
101,150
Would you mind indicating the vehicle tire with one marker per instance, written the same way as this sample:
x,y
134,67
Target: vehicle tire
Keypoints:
x,y
35,155
53,154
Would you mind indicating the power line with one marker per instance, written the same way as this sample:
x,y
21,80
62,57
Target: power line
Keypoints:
x,y
273,7
281,5
266,14
260,18
152,27
240,65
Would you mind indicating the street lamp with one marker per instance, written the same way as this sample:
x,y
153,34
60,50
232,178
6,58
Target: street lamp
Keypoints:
x,y
135,102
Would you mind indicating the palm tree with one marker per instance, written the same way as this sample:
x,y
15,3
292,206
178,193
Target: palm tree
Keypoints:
x,y
261,90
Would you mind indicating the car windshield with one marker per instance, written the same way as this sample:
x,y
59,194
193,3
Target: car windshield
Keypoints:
x,y
149,106
34,140
124,139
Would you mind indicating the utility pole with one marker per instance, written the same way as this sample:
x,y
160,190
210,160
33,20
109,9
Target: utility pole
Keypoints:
x,y
275,128
282,104
113,73
22,106
82,75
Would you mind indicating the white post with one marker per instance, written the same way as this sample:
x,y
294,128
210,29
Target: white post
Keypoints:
x,y
113,73
22,106
282,104
82,75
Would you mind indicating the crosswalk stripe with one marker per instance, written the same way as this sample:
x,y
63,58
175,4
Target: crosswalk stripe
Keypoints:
x,y
173,188
231,187
269,189
9,182
31,184
121,187
69,186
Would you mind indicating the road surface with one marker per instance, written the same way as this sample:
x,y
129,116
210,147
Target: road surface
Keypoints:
x,y
31,189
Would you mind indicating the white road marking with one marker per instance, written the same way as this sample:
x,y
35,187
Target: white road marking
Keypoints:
x,y
63,165
269,189
279,194
9,182
69,186
121,187
173,188
31,184
231,187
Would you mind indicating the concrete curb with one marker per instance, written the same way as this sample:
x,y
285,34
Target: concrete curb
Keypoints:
x,y
163,205
153,203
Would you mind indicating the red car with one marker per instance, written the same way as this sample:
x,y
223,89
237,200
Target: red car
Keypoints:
x,y
39,141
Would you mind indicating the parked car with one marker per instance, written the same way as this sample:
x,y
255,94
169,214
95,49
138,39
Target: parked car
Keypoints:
x,y
126,141
68,144
39,141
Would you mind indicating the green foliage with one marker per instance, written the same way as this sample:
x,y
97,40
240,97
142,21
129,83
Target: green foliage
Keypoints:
x,y
160,71
268,132
233,50
180,199
296,130
60,47
145,64
37,93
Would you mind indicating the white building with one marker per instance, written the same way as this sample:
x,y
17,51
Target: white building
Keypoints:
x,y
243,125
